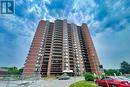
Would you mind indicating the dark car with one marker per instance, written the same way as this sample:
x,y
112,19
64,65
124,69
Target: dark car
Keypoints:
x,y
64,77
112,81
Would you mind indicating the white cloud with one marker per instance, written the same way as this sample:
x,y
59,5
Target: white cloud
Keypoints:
x,y
78,4
111,41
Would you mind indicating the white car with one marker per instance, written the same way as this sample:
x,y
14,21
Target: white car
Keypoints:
x,y
64,77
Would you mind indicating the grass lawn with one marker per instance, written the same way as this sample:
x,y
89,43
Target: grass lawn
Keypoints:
x,y
83,83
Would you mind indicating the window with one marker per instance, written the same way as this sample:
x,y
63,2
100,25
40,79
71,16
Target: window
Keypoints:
x,y
37,66
106,78
36,69
40,51
109,78
39,54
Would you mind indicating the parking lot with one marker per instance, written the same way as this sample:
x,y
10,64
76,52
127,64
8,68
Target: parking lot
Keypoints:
x,y
41,83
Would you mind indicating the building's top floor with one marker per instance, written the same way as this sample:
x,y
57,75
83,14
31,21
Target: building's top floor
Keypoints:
x,y
65,20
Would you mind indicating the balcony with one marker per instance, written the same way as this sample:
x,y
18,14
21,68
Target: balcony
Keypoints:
x,y
56,69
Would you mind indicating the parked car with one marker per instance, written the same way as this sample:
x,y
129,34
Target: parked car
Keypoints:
x,y
112,81
123,78
64,77
128,77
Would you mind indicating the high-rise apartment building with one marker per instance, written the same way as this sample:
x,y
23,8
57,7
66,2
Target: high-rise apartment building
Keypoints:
x,y
61,47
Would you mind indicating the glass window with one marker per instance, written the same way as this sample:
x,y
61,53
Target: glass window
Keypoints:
x,y
107,78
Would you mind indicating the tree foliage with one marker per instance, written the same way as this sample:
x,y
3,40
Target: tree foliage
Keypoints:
x,y
20,71
88,76
125,67
111,72
15,71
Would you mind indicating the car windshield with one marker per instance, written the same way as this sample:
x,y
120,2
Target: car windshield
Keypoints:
x,y
65,74
116,78
106,78
128,77
121,78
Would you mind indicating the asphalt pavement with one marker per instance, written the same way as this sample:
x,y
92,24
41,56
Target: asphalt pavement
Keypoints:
x,y
41,83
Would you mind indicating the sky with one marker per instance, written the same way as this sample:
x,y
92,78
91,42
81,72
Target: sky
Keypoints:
x,y
108,22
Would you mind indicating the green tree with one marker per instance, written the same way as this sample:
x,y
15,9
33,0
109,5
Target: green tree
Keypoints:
x,y
13,71
88,76
20,71
125,67
111,72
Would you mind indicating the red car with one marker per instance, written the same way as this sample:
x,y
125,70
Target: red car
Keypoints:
x,y
112,81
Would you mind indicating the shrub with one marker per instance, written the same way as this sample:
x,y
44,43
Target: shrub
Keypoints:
x,y
88,76
13,71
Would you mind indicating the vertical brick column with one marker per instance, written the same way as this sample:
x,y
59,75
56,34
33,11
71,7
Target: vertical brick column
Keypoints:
x,y
51,50
29,66
92,56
